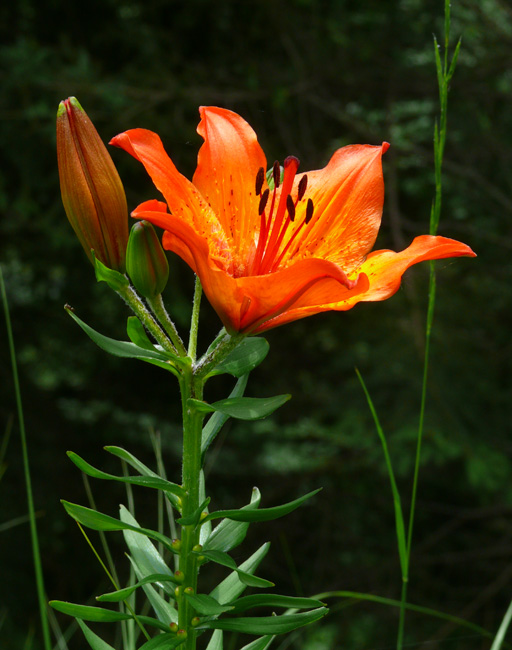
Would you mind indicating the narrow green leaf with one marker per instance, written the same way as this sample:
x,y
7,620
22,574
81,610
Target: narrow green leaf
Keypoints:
x,y
206,605
92,639
99,521
154,622
123,594
144,556
244,358
263,514
165,611
195,517
397,502
266,624
500,636
114,279
260,644
120,348
88,613
217,420
145,481
454,61
249,408
231,587
274,600
166,641
225,560
137,334
216,641
229,534
131,460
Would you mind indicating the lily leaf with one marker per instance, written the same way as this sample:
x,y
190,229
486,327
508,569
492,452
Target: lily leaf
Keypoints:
x,y
123,594
163,642
146,481
88,613
263,514
243,408
93,639
265,624
229,534
274,600
218,419
244,358
231,587
99,521
225,560
260,644
131,460
195,517
137,334
125,348
206,605
216,641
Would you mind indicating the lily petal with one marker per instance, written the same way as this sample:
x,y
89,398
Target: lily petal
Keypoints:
x,y
227,165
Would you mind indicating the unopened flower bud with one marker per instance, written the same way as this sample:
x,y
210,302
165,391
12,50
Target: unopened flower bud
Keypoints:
x,y
195,621
92,192
174,627
146,262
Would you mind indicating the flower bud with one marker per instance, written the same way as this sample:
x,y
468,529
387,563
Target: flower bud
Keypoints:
x,y
92,192
146,262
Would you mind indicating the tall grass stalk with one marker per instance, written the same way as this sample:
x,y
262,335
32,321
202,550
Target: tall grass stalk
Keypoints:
x,y
26,469
445,70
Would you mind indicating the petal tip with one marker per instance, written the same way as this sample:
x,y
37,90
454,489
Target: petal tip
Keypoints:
x,y
385,146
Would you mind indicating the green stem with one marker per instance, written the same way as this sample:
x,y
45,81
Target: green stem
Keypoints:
x,y
139,309
191,387
33,528
194,324
209,361
158,308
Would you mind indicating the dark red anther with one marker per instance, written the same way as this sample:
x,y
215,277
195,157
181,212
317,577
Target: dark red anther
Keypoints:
x,y
260,177
263,201
290,206
303,183
276,174
309,211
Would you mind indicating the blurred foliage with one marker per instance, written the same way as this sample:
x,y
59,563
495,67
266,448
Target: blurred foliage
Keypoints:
x,y
310,76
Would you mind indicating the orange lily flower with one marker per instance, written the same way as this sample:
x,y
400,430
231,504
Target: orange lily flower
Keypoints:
x,y
271,253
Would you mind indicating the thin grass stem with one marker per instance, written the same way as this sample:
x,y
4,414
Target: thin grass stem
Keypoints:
x,y
41,595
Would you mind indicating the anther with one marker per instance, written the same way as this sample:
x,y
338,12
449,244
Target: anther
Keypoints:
x,y
290,207
276,174
260,177
309,210
303,183
263,202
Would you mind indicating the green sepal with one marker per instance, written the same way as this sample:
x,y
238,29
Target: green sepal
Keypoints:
x,y
242,408
218,419
123,594
274,600
137,334
244,358
206,605
93,639
229,534
195,517
225,560
265,624
166,641
260,644
216,641
263,514
99,521
114,279
231,587
145,481
88,613
125,349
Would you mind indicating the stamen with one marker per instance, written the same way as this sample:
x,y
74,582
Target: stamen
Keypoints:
x,y
309,211
290,206
260,177
276,174
263,202
303,183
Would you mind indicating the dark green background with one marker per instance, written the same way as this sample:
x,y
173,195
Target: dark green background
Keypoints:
x,y
309,76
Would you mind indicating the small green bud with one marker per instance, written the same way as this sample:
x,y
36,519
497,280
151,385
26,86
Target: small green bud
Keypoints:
x,y
195,621
179,575
176,545
197,548
173,627
146,262
177,592
189,591
182,634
